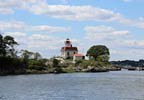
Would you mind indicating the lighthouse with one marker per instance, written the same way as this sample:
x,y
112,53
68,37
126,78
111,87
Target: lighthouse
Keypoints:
x,y
68,50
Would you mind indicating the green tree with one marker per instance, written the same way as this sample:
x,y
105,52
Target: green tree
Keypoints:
x,y
7,44
37,56
25,54
98,52
9,64
2,47
10,43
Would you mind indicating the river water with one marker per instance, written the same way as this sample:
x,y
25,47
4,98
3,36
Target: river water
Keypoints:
x,y
119,85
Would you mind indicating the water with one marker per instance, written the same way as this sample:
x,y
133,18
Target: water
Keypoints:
x,y
121,85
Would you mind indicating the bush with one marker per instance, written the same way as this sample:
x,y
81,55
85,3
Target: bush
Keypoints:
x,y
55,63
36,65
68,69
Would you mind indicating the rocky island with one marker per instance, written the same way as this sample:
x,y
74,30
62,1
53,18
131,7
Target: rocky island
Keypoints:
x,y
70,60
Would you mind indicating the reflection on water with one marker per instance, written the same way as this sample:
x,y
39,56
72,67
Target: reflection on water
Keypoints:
x,y
122,85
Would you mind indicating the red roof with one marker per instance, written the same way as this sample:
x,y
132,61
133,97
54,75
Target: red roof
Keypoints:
x,y
69,48
79,55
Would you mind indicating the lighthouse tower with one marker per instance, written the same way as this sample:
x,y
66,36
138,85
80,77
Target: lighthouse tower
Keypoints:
x,y
68,43
68,50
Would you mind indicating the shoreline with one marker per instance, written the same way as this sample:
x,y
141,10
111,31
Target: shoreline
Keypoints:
x,y
46,72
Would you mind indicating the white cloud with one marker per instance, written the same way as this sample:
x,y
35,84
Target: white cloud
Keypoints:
x,y
35,41
21,26
123,54
49,29
16,34
82,13
75,12
67,12
104,33
127,0
40,41
12,25
132,0
6,11
111,36
20,37
57,11
9,6
135,43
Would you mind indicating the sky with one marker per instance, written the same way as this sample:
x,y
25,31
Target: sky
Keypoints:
x,y
43,25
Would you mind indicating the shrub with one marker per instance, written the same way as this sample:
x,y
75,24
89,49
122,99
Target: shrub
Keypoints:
x,y
55,63
68,69
36,65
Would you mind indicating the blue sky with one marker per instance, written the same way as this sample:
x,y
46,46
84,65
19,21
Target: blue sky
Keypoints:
x,y
43,25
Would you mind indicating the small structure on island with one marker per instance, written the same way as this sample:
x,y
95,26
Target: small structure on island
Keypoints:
x,y
77,57
70,52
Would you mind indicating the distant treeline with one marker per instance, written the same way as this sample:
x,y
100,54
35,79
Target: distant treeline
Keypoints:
x,y
131,63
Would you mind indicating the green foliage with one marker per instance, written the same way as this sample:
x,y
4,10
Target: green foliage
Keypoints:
x,y
37,56
10,65
86,63
25,54
2,46
68,69
103,58
70,57
99,52
58,70
7,44
36,65
77,62
55,63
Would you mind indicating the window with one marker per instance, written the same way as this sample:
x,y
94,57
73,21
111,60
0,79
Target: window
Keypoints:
x,y
68,54
83,57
